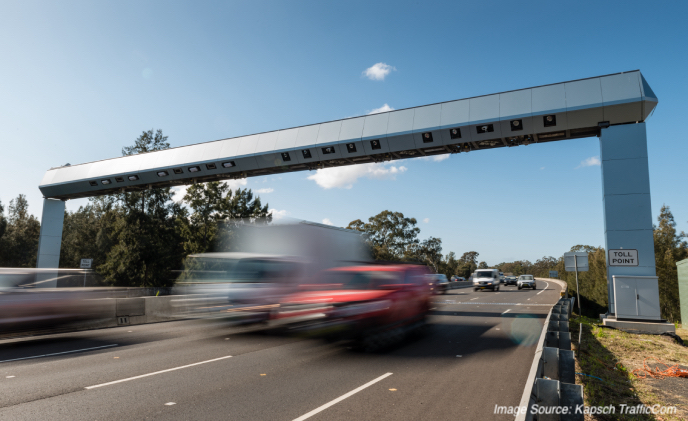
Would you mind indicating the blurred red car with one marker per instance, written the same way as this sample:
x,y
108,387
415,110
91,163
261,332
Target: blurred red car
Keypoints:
x,y
374,305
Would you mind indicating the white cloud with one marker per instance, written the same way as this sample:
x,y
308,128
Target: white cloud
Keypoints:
x,y
178,193
265,190
426,220
382,109
590,162
327,221
278,214
378,71
434,158
345,177
235,184
542,168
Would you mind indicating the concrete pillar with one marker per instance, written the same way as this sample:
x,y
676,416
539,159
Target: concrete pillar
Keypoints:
x,y
50,241
626,200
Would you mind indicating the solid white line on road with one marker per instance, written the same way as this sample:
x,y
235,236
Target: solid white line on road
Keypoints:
x,y
341,398
543,289
506,311
58,353
157,372
474,298
503,304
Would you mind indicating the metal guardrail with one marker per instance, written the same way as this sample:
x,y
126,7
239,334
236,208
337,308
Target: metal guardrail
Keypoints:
x,y
550,393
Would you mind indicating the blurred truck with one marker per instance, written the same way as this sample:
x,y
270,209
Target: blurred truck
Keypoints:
x,y
274,261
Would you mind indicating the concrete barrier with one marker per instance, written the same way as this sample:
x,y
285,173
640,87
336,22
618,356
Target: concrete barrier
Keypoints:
x,y
459,285
115,312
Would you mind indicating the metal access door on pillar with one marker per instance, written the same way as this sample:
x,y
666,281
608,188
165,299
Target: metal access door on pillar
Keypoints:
x,y
636,297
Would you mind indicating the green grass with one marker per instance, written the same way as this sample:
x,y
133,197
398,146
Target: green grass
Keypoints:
x,y
611,356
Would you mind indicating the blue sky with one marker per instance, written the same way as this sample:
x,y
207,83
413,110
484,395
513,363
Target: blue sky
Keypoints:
x,y
80,80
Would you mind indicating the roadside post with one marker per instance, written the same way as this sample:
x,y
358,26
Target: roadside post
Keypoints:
x,y
577,261
86,264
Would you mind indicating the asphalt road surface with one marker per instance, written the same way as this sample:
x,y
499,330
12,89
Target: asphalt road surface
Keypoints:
x,y
476,354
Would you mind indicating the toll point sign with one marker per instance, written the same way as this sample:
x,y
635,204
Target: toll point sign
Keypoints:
x,y
623,257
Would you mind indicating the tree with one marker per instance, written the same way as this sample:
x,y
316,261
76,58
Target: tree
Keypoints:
x,y
428,252
3,221
482,265
201,227
670,247
216,212
19,244
468,263
450,265
146,242
390,234
147,142
87,232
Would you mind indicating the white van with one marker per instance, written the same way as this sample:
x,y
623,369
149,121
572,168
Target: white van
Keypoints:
x,y
486,279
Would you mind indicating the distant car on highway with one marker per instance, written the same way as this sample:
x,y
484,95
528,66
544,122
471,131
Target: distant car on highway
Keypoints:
x,y
439,283
510,280
457,279
526,281
501,277
486,279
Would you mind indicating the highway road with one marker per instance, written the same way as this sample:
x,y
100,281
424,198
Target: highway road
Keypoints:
x,y
476,354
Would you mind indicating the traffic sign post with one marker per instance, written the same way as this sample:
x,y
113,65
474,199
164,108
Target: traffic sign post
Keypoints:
x,y
574,262
86,264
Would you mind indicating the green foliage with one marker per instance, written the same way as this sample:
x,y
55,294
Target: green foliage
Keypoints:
x,y
147,142
216,211
19,244
87,233
142,236
467,264
200,228
670,247
428,251
3,221
146,249
391,236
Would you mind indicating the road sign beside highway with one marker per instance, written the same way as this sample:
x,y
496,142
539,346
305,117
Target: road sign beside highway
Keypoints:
x,y
86,263
553,274
577,258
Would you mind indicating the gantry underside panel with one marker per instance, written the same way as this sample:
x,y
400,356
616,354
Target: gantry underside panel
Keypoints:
x,y
528,116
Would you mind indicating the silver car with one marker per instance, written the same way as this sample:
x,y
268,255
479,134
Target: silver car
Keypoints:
x,y
526,281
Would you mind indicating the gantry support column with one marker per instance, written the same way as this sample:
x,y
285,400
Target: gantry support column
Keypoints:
x,y
626,200
50,241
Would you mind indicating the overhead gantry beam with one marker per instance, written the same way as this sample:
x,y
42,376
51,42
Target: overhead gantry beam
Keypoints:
x,y
545,113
